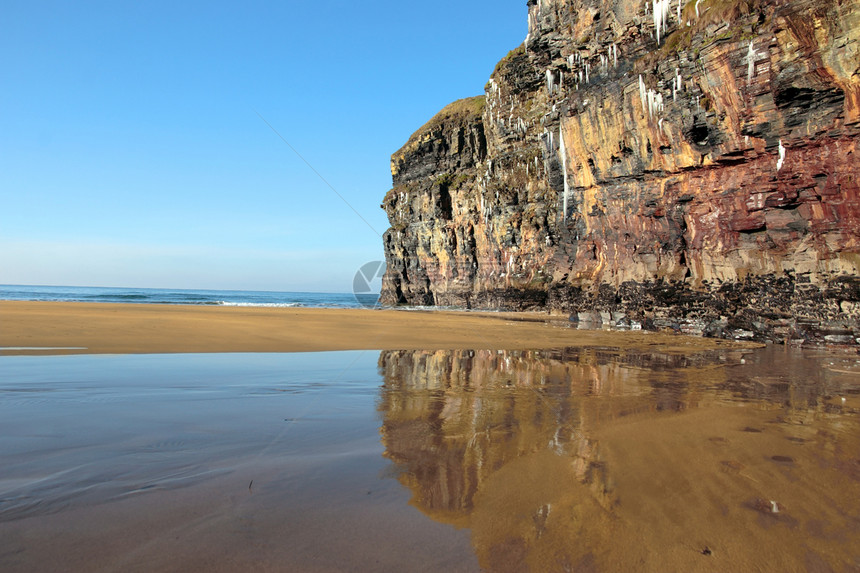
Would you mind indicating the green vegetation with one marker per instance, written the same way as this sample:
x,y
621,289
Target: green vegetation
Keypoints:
x,y
518,51
449,181
444,180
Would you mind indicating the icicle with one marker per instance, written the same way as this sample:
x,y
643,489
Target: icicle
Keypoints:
x,y
651,100
679,12
533,25
661,16
697,9
615,55
586,71
781,159
657,20
665,15
550,81
563,151
655,103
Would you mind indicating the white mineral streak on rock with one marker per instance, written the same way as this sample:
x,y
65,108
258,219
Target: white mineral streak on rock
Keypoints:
x,y
752,56
781,161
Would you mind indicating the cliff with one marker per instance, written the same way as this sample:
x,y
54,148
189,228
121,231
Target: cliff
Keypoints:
x,y
690,165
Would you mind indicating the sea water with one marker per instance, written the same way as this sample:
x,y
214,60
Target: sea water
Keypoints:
x,y
183,296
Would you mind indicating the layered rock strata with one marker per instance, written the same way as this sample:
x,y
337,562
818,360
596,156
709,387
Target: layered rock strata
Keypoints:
x,y
691,165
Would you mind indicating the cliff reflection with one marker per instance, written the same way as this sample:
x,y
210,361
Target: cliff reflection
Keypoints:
x,y
564,461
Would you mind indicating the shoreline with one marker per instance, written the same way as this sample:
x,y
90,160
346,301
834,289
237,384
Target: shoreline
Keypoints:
x,y
50,328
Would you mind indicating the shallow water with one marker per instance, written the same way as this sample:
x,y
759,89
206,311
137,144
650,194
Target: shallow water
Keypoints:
x,y
569,460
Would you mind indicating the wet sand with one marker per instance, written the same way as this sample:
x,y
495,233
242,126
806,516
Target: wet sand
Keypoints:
x,y
231,462
78,328
609,461
583,459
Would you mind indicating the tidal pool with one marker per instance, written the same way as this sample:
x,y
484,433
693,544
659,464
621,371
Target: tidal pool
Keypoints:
x,y
568,460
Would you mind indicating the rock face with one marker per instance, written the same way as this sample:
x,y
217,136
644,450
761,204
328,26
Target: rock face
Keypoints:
x,y
691,165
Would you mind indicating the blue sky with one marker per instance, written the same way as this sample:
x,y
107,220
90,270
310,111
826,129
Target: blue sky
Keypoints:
x,y
131,152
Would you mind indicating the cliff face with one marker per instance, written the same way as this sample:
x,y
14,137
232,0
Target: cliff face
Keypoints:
x,y
683,164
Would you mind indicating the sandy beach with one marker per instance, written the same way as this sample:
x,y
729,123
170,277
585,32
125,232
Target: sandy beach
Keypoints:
x,y
94,328
446,442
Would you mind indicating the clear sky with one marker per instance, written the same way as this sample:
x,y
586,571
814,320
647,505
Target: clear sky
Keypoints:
x,y
132,153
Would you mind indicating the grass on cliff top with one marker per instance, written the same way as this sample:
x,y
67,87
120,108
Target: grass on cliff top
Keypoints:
x,y
518,51
460,111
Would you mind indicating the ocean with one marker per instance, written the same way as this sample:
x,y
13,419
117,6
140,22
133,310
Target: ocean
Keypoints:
x,y
184,296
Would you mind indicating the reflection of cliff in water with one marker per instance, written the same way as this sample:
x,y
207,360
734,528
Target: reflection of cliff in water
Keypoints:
x,y
455,417
523,446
